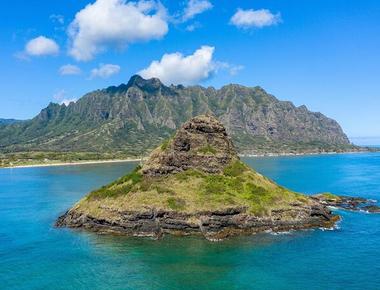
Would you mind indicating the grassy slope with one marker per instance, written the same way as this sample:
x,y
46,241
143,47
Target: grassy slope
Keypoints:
x,y
191,191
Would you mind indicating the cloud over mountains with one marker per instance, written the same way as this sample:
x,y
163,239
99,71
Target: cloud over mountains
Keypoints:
x,y
104,25
105,71
115,23
176,68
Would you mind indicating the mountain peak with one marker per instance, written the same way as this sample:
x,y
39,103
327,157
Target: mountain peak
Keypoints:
x,y
146,84
201,143
135,79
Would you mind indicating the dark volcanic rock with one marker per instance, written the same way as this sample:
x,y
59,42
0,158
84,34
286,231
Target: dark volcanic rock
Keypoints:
x,y
202,143
371,208
212,225
347,202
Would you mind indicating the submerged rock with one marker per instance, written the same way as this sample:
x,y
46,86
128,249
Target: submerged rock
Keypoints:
x,y
347,202
195,184
371,208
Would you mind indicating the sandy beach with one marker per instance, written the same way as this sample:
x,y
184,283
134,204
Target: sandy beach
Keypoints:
x,y
75,163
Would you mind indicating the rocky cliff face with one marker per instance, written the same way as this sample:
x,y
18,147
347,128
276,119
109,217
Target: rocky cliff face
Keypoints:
x,y
135,117
196,184
213,225
201,143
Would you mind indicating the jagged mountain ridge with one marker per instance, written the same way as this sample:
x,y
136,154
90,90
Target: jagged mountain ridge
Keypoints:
x,y
137,116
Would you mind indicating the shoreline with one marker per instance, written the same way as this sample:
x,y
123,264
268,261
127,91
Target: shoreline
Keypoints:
x,y
302,154
72,163
75,163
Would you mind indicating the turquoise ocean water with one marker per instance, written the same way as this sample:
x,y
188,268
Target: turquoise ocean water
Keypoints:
x,y
35,255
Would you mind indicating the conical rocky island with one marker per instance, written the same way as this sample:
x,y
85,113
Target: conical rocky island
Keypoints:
x,y
195,183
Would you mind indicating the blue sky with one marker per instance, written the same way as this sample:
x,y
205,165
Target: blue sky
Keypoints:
x,y
321,53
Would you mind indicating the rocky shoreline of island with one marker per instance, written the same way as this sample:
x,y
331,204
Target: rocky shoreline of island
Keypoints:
x,y
219,224
213,225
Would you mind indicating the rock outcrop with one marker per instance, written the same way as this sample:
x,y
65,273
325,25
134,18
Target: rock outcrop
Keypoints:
x,y
347,202
201,143
195,184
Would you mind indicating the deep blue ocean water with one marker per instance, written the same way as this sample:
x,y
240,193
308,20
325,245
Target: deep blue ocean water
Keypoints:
x,y
35,255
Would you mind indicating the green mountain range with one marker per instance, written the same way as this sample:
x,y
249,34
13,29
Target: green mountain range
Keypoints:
x,y
8,121
133,118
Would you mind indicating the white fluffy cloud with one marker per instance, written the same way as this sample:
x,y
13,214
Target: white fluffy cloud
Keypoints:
x,y
69,69
254,18
195,7
105,71
175,68
41,45
115,23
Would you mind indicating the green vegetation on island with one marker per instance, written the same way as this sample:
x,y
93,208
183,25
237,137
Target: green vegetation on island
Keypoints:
x,y
193,190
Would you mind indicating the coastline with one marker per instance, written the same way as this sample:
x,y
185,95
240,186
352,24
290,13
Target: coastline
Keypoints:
x,y
74,163
301,154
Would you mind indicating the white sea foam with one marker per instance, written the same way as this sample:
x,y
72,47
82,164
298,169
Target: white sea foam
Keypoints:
x,y
281,233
